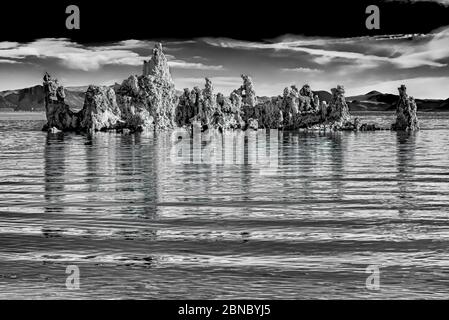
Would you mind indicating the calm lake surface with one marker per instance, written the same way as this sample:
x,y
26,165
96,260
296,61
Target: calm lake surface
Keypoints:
x,y
141,221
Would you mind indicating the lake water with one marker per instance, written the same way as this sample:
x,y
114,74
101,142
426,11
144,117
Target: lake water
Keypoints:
x,y
141,220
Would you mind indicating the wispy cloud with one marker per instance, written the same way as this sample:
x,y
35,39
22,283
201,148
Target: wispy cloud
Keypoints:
x,y
8,45
8,61
89,58
444,2
193,65
302,69
127,44
72,55
423,50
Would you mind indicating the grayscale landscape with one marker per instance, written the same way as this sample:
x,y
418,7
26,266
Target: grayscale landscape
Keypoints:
x,y
220,168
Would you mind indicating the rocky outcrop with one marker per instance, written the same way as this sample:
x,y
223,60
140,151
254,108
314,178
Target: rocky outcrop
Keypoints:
x,y
157,66
209,109
228,114
301,109
59,115
149,101
100,111
247,91
197,105
140,102
406,118
188,106
337,115
308,102
295,109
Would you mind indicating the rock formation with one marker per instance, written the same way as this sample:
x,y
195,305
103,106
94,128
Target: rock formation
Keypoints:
x,y
301,109
140,102
58,113
307,100
187,107
295,109
149,101
337,114
209,109
247,91
157,66
100,111
406,118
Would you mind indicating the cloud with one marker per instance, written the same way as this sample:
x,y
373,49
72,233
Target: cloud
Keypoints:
x,y
401,51
72,55
193,65
9,61
298,47
443,2
90,58
8,45
301,69
127,44
428,53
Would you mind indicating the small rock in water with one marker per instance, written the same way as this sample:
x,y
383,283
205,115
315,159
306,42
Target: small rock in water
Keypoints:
x,y
54,130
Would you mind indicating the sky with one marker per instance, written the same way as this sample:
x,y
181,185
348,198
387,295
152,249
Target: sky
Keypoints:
x,y
360,63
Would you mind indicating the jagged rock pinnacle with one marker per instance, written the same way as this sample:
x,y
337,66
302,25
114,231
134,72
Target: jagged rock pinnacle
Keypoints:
x,y
406,118
157,66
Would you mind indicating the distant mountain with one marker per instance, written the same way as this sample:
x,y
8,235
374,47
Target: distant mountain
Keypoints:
x,y
82,89
377,101
373,93
445,104
5,103
323,95
32,99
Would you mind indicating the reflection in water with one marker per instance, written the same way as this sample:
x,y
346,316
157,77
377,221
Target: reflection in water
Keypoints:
x,y
298,215
406,149
54,155
337,161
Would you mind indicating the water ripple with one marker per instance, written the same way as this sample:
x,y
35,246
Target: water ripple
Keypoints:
x,y
141,224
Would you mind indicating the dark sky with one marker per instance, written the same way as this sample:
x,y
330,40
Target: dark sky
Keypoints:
x,y
105,21
320,43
